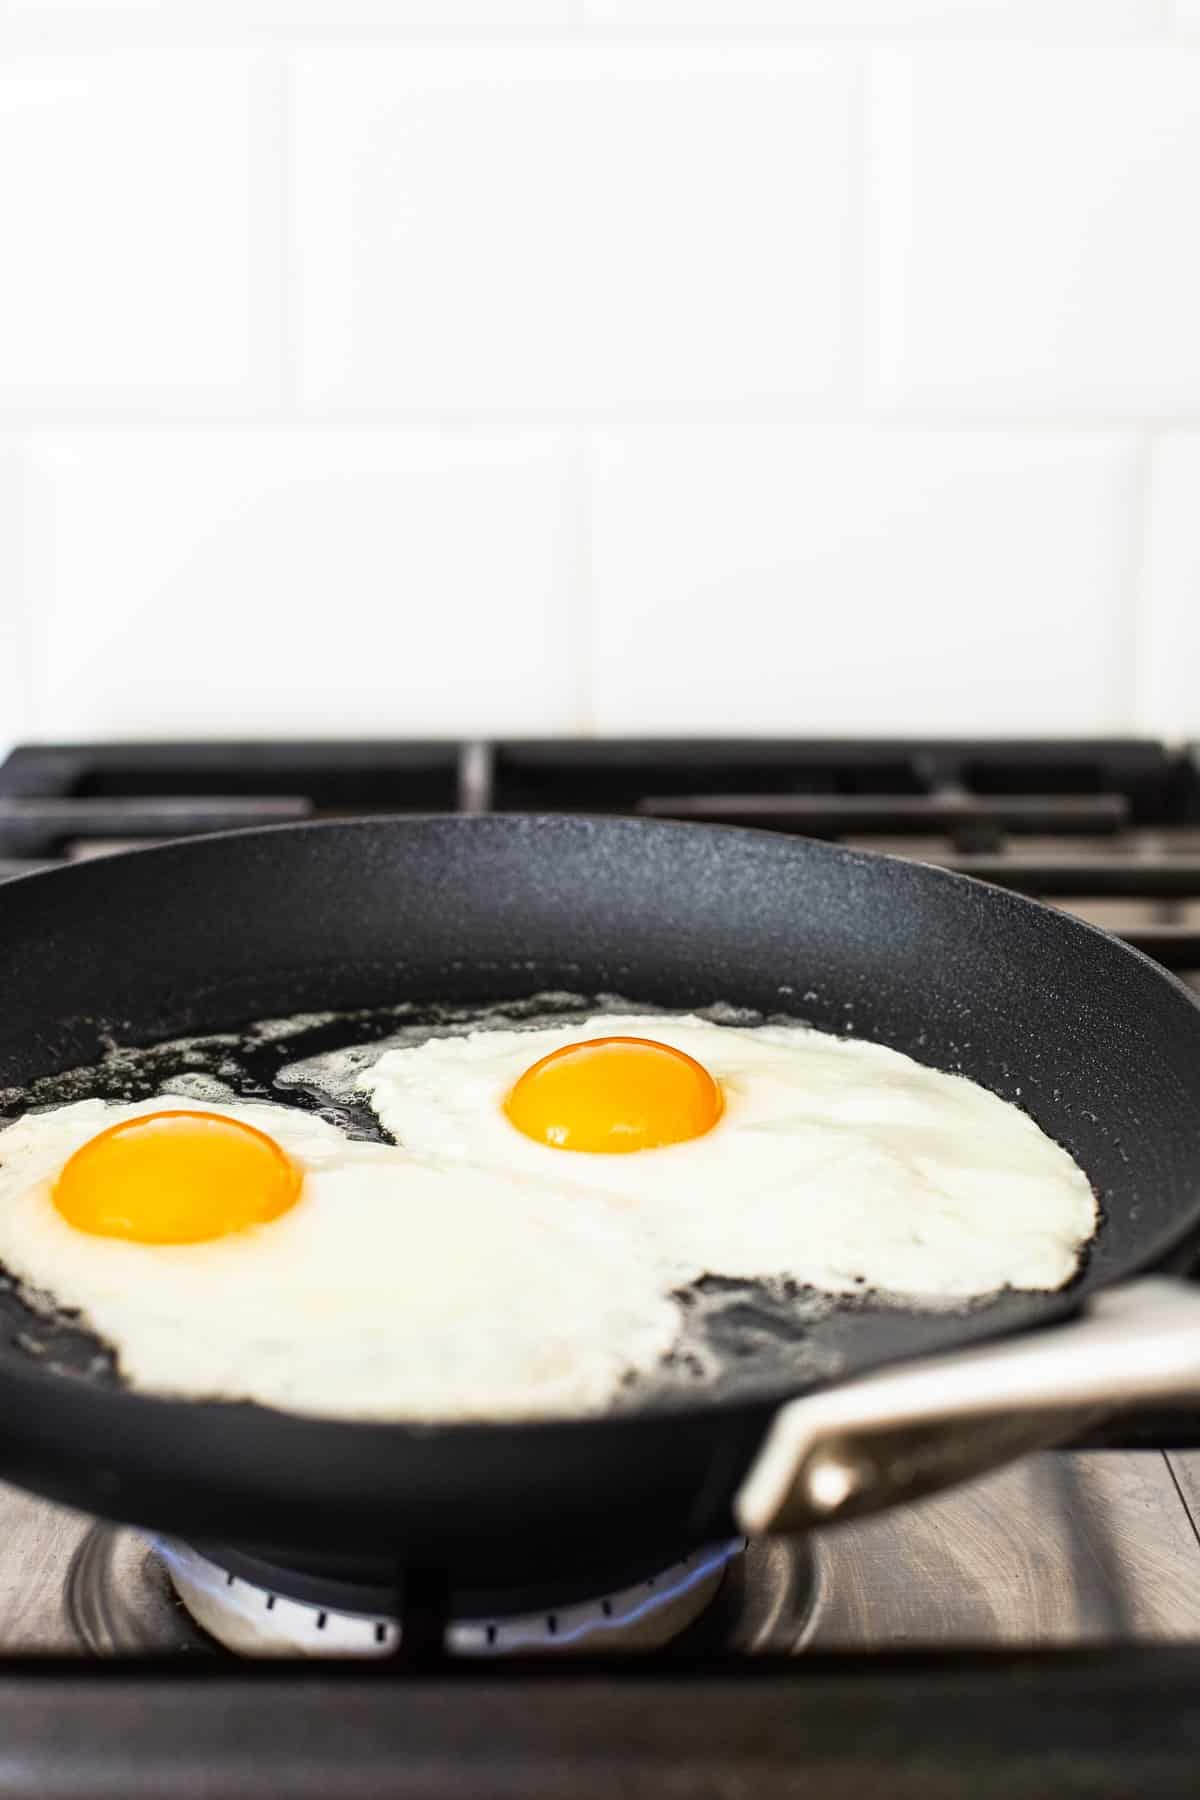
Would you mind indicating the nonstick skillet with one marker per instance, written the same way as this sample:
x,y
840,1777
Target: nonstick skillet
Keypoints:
x,y
867,1405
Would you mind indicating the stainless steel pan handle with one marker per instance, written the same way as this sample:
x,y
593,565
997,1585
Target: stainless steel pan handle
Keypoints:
x,y
894,1436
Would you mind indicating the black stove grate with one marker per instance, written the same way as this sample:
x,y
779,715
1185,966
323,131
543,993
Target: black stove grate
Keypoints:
x,y
1107,828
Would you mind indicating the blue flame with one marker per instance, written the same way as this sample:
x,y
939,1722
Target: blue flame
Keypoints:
x,y
659,1597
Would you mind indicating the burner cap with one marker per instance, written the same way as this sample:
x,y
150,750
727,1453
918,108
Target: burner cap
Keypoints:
x,y
127,1593
300,1615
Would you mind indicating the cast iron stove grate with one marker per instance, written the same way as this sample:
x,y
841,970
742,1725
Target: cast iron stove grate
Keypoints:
x,y
1109,828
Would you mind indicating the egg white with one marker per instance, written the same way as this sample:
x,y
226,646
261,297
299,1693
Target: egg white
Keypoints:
x,y
838,1163
396,1287
469,1272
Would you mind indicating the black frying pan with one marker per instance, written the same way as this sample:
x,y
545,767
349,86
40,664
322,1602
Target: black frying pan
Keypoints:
x,y
1101,1047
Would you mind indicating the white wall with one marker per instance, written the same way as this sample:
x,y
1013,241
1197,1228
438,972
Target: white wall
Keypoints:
x,y
615,365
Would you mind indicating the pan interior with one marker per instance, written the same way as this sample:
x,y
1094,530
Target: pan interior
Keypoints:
x,y
739,1339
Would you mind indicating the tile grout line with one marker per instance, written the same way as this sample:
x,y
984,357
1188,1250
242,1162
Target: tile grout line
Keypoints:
x,y
579,616
271,397
37,570
1140,616
861,256
287,260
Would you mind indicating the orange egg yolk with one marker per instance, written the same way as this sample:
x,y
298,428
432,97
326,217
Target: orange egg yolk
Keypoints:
x,y
615,1094
176,1178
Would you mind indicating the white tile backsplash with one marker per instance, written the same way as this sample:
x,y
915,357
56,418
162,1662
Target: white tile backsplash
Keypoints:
x,y
1170,669
799,581
1038,251
71,22
556,232
259,582
881,18
188,21
648,365
129,188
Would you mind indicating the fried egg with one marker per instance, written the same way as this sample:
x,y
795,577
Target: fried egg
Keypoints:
x,y
754,1152
520,1250
253,1252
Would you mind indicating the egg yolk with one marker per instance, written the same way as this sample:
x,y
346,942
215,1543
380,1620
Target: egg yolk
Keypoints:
x,y
614,1094
176,1178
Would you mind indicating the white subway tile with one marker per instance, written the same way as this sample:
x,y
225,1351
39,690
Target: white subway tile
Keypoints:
x,y
541,232
263,581
128,219
776,580
1170,624
1186,16
734,19
70,23
1038,250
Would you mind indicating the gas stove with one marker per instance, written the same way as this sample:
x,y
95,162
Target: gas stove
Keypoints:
x,y
1037,1629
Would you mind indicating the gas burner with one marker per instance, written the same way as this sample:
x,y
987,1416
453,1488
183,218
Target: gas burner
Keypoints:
x,y
126,1593
262,1621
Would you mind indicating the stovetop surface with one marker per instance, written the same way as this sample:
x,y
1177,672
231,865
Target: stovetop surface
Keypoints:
x,y
1036,1633
1075,1548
